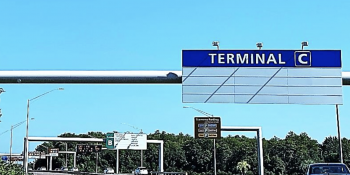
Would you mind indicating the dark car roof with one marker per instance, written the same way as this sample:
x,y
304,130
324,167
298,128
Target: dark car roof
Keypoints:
x,y
322,164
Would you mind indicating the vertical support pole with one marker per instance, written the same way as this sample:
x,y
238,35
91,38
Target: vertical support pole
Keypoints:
x,y
117,162
339,138
214,157
11,145
50,163
26,147
24,158
47,162
161,149
75,159
66,155
141,158
260,152
96,162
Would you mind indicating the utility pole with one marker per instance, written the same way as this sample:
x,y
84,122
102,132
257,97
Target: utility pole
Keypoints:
x,y
96,161
339,138
11,144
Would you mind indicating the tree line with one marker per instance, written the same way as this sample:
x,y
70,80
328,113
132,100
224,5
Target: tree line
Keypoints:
x,y
183,153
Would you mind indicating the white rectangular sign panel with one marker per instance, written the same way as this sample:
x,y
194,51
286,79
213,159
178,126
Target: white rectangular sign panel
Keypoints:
x,y
130,141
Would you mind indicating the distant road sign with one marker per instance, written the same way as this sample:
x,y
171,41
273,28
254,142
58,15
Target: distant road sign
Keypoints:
x,y
207,127
89,148
36,155
262,76
53,151
4,158
130,141
110,143
16,158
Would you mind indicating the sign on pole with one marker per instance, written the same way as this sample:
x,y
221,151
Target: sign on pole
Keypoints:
x,y
53,151
262,76
207,127
4,158
89,148
16,158
130,141
36,155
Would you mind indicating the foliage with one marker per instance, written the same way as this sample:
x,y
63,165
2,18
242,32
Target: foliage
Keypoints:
x,y
243,167
183,153
10,168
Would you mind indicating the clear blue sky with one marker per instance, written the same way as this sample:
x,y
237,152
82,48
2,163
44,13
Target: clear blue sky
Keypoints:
x,y
149,35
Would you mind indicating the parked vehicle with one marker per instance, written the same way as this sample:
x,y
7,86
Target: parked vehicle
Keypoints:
x,y
141,170
108,171
42,168
328,168
74,169
64,168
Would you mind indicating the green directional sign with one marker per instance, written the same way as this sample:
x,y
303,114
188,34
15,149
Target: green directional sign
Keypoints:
x,y
110,143
110,140
110,134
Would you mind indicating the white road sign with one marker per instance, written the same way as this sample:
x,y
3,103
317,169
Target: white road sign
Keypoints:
x,y
130,141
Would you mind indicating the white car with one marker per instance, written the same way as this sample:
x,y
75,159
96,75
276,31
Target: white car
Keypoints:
x,y
108,171
141,170
42,169
74,169
64,168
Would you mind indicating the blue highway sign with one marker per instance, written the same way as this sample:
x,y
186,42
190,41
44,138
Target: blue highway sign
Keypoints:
x,y
261,58
4,158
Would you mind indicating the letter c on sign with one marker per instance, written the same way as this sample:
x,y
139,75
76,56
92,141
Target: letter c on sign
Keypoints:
x,y
300,58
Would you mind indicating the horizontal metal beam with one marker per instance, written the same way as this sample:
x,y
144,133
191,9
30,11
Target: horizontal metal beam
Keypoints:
x,y
346,78
90,77
8,154
66,139
101,77
239,128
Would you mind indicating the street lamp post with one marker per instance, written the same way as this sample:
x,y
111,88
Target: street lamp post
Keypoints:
x,y
13,127
26,144
208,115
1,91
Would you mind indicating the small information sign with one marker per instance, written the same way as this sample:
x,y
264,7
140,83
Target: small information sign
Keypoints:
x,y
207,127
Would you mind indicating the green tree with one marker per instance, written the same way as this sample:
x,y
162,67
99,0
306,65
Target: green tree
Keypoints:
x,y
243,167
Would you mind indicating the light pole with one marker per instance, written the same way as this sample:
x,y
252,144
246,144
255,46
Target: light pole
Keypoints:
x,y
1,91
303,44
259,45
208,115
13,127
26,144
